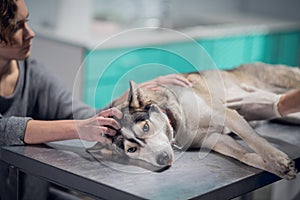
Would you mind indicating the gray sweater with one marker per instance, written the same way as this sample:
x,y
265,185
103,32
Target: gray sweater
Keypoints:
x,y
38,95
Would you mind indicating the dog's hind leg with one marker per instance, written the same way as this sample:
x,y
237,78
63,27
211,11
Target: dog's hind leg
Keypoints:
x,y
284,77
276,78
277,160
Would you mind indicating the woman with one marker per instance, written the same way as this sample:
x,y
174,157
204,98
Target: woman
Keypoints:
x,y
34,106
28,91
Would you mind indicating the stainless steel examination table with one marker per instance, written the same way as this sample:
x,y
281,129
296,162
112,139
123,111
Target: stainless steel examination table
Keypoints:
x,y
193,174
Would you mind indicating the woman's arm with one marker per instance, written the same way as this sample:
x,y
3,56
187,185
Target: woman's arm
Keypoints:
x,y
38,131
289,103
92,129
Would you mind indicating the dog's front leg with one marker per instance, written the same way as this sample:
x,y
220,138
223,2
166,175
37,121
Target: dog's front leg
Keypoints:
x,y
226,145
276,159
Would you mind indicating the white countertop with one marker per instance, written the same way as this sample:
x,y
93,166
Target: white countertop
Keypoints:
x,y
105,35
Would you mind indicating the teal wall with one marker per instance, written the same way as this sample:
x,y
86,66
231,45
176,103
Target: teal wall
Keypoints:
x,y
107,71
273,48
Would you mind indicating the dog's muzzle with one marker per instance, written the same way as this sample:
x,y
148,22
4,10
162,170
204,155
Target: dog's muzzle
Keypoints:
x,y
164,159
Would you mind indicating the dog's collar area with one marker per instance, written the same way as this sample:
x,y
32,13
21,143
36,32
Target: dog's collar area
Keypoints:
x,y
170,117
176,147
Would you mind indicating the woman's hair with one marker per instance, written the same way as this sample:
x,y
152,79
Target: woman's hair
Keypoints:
x,y
8,12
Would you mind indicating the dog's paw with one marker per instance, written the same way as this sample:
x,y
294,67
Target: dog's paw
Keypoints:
x,y
291,171
284,167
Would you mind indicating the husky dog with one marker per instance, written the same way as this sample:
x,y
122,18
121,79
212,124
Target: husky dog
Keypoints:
x,y
154,121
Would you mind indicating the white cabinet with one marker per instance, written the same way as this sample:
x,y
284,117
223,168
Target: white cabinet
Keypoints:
x,y
61,58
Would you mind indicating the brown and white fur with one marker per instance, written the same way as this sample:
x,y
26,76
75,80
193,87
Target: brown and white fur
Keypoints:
x,y
198,117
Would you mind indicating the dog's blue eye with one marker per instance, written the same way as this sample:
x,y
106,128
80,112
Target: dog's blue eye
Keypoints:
x,y
146,127
131,149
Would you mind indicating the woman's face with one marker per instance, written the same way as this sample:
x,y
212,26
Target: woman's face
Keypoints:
x,y
19,48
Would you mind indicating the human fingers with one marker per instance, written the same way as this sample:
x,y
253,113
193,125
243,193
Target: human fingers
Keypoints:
x,y
234,99
104,140
107,131
108,122
181,82
148,85
111,112
249,88
175,79
234,105
96,133
184,80
151,85
101,136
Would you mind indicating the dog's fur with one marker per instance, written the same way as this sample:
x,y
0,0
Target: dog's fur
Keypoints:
x,y
198,117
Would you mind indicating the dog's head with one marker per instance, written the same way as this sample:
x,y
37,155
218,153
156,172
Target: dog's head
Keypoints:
x,y
146,132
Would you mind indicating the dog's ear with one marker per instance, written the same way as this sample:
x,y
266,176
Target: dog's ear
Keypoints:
x,y
137,98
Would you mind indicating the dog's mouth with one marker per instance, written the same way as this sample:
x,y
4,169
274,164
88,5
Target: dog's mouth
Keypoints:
x,y
163,169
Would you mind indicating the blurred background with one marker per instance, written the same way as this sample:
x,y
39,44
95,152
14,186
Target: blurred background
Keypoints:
x,y
81,39
53,14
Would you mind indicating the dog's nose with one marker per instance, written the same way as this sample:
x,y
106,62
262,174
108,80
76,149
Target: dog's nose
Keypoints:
x,y
163,158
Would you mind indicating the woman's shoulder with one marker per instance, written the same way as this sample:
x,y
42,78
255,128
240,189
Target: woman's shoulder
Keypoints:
x,y
36,67
38,70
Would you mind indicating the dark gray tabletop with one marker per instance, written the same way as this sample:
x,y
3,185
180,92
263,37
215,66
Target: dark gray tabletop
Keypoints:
x,y
195,174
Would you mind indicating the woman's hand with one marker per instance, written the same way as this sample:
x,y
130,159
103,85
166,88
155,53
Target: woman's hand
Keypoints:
x,y
95,128
171,79
154,84
256,104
